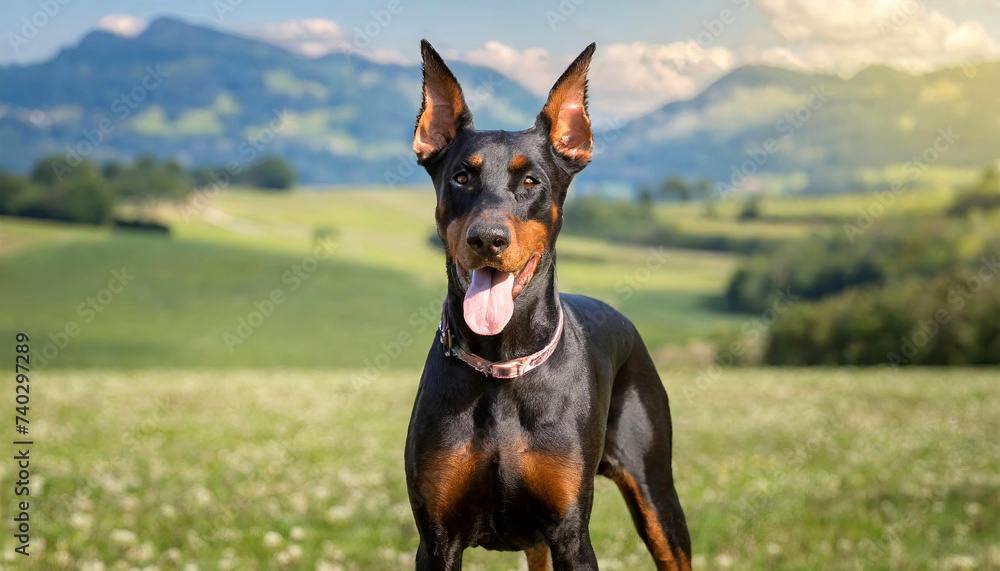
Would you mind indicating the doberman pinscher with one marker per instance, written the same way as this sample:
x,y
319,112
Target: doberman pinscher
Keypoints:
x,y
527,393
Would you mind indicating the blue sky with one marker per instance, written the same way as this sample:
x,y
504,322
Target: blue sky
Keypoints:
x,y
451,24
649,52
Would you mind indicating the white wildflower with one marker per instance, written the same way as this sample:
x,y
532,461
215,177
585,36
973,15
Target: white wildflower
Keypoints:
x,y
173,555
81,521
201,496
63,558
272,539
123,537
338,513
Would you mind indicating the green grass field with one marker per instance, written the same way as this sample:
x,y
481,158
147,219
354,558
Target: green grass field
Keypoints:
x,y
290,469
158,447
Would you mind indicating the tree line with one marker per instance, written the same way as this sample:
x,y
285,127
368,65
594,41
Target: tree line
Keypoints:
x,y
92,194
918,290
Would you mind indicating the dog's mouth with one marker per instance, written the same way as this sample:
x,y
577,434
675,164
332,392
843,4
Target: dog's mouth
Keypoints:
x,y
490,293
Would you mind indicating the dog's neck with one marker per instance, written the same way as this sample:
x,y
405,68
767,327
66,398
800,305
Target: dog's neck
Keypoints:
x,y
536,316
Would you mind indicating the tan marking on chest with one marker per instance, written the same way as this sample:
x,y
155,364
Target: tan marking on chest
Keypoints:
x,y
553,479
446,477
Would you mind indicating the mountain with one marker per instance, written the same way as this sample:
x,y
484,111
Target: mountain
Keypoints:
x,y
210,98
831,131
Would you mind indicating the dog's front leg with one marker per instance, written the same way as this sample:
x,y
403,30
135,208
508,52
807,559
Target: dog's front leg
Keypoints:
x,y
433,555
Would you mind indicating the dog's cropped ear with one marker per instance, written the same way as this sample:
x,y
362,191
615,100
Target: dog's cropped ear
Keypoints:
x,y
443,111
565,113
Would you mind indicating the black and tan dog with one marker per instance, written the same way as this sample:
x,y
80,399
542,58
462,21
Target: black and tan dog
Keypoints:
x,y
528,393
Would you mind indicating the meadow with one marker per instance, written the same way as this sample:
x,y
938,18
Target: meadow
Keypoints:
x,y
170,436
293,469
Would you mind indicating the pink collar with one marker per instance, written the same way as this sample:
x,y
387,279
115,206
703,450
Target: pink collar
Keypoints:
x,y
508,369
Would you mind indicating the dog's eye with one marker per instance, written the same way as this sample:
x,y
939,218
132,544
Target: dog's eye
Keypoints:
x,y
529,182
462,178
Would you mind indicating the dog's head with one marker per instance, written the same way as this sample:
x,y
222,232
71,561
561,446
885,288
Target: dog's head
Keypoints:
x,y
499,194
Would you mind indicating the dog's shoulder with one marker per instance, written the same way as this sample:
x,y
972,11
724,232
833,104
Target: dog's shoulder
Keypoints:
x,y
602,326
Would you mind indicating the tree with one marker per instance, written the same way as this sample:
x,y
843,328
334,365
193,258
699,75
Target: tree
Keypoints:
x,y
50,170
86,196
76,193
12,188
983,195
750,208
270,172
147,182
203,176
644,196
111,169
675,186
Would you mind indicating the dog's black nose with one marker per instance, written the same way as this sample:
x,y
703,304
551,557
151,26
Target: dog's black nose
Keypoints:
x,y
488,239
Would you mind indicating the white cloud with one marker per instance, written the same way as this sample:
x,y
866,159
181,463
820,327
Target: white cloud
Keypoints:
x,y
387,55
317,37
533,68
626,80
835,21
313,37
121,25
631,79
844,36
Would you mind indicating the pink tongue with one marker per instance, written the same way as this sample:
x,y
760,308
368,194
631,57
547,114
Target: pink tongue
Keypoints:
x,y
489,302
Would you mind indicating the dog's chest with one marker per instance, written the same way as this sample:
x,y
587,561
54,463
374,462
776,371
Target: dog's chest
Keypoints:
x,y
501,476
